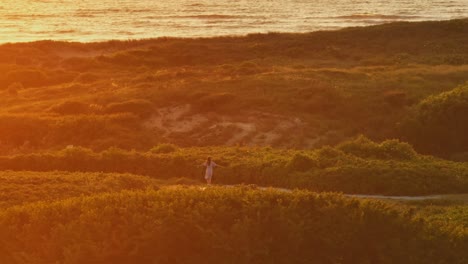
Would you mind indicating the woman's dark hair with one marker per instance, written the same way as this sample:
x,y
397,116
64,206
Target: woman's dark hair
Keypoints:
x,y
208,161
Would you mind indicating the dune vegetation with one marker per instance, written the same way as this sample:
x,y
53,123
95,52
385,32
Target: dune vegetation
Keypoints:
x,y
17,188
219,225
280,90
437,124
65,217
357,166
95,136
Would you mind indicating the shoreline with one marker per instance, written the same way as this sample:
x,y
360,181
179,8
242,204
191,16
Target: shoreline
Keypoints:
x,y
235,36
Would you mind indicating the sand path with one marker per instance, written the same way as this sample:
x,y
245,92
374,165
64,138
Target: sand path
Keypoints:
x,y
452,197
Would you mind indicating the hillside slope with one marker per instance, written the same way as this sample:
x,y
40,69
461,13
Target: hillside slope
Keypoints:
x,y
284,90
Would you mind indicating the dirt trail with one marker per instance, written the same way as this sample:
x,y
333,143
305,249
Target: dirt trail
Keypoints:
x,y
462,197
452,197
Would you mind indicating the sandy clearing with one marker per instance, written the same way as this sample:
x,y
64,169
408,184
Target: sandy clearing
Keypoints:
x,y
259,129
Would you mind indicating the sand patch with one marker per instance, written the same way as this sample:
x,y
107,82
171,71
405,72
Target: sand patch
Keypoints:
x,y
175,119
255,128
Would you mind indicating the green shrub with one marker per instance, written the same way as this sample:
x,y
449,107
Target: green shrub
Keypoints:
x,y
438,123
16,86
396,98
301,162
220,225
18,129
163,148
390,149
87,77
461,157
247,68
142,108
329,157
70,108
80,64
394,149
327,169
214,102
28,77
28,187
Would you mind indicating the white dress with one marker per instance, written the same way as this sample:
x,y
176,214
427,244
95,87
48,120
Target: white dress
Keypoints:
x,y
209,170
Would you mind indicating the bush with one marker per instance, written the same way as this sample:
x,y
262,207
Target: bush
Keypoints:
x,y
16,86
302,162
329,157
28,187
87,77
18,129
163,148
142,108
248,68
460,157
70,108
80,64
12,91
28,77
390,149
326,169
396,98
214,102
219,225
438,124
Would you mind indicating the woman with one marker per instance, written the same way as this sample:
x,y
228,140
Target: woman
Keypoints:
x,y
209,164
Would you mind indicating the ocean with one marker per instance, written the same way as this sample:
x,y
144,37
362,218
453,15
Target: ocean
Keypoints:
x,y
100,20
